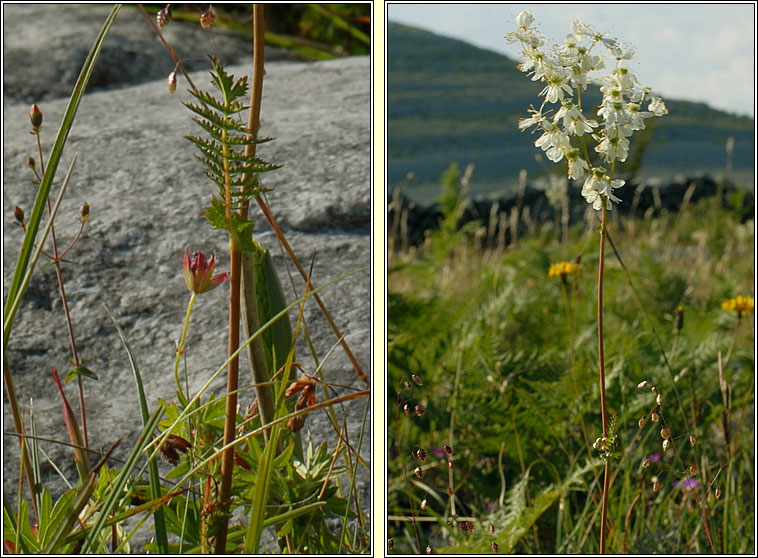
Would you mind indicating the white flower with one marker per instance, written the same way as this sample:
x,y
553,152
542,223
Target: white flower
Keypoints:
x,y
577,166
556,85
598,188
524,19
553,142
657,107
613,148
535,118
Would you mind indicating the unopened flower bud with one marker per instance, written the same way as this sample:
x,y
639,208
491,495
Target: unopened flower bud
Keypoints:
x,y
656,486
666,445
658,399
641,422
407,385
717,494
416,379
495,548
642,385
654,390
164,16
492,529
654,417
448,450
422,507
646,463
420,410
693,441
207,19
407,410
693,469
18,213
450,465
172,82
421,454
31,162
84,211
35,115
419,472
665,433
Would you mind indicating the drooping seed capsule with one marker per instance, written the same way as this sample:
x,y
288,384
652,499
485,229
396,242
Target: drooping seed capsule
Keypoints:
x,y
665,433
35,115
416,379
450,465
407,385
448,450
693,469
492,529
164,16
717,494
18,213
646,463
641,422
642,385
171,82
656,486
31,162
693,441
419,472
420,410
666,445
654,390
658,399
407,410
495,548
207,19
654,417
422,506
421,454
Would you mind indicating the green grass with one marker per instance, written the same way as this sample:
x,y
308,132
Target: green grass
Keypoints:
x,y
488,334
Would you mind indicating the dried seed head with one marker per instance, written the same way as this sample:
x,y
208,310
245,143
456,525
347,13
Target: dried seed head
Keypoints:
x,y
35,115
646,463
419,472
207,19
416,379
717,494
164,16
693,469
18,213
172,82
448,450
641,422
84,211
421,454
666,445
665,433
658,399
654,417
642,385
495,547
420,410
693,441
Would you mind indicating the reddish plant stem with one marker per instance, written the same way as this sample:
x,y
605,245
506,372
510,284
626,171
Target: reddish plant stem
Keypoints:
x,y
601,362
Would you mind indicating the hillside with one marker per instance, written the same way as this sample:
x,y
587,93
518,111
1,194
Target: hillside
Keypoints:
x,y
450,101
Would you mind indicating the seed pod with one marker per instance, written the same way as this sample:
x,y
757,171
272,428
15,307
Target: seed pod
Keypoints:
x,y
164,16
654,417
207,19
35,115
495,547
422,507
658,399
421,454
693,469
666,445
646,463
31,162
420,410
642,385
18,213
693,441
448,450
419,472
641,422
665,433
416,379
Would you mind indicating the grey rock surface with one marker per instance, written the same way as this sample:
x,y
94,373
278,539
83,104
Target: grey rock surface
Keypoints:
x,y
147,191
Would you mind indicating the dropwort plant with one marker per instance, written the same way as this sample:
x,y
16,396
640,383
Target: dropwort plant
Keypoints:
x,y
566,72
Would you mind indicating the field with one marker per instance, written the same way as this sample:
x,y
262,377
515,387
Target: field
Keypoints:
x,y
494,400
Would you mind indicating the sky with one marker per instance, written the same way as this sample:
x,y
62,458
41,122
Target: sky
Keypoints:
x,y
695,52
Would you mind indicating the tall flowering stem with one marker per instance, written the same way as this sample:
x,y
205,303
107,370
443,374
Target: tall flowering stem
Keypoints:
x,y
566,70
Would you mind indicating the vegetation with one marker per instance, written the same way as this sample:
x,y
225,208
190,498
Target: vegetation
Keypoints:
x,y
493,399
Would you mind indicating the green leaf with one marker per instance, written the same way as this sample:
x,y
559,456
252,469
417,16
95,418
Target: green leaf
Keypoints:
x,y
80,371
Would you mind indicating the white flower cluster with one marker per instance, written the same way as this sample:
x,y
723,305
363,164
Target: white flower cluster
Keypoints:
x,y
567,67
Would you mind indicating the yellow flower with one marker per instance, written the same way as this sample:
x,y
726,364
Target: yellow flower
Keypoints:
x,y
562,269
741,305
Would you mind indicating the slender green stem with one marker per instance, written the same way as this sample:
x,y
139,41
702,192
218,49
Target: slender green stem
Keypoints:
x,y
180,348
601,363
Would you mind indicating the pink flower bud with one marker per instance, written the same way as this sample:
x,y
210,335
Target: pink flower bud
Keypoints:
x,y
172,82
198,273
18,213
35,115
31,162
207,19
